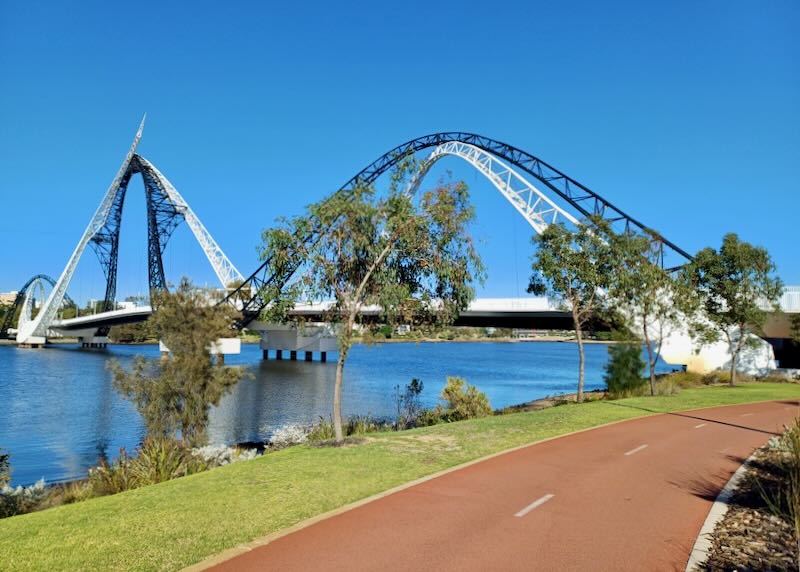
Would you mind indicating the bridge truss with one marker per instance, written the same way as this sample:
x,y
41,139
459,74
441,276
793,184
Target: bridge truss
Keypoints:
x,y
510,169
24,302
166,209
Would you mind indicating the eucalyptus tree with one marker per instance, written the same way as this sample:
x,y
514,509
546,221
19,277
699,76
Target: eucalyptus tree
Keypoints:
x,y
574,268
643,294
734,284
362,248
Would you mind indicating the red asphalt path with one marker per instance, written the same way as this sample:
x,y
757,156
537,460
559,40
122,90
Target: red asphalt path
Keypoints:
x,y
628,496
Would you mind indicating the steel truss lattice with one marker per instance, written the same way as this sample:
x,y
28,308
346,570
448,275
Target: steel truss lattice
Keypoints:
x,y
253,295
166,208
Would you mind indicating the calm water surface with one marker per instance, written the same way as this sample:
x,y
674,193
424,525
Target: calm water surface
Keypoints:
x,y
59,411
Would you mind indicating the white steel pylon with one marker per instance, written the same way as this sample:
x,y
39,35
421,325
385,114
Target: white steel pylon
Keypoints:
x,y
224,269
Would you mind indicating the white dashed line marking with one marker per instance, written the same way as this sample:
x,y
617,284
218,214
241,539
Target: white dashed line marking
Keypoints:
x,y
701,425
636,450
746,414
535,504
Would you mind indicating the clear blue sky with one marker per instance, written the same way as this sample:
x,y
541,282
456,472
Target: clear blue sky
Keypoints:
x,y
686,114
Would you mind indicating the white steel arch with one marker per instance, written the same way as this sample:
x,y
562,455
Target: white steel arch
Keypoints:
x,y
39,326
224,269
534,206
26,315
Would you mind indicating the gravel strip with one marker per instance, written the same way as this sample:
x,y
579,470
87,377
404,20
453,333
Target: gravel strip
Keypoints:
x,y
750,537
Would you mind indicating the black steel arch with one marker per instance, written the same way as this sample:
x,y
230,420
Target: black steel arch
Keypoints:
x,y
584,200
162,219
11,313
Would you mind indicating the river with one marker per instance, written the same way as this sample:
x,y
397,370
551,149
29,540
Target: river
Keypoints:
x,y
59,411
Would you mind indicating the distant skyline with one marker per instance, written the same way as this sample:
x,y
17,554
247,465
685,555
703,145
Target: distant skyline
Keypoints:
x,y
684,114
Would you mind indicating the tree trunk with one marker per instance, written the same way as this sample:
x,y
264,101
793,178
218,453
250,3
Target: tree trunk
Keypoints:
x,y
650,361
734,359
581,362
337,399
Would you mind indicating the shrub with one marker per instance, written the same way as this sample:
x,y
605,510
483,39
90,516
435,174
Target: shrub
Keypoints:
x,y
68,493
666,386
111,478
21,500
685,379
5,470
159,460
355,425
464,401
624,370
782,494
408,404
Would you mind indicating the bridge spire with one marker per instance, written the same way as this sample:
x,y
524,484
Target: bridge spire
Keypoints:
x,y
166,207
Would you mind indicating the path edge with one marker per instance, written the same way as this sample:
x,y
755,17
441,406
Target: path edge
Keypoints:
x,y
721,506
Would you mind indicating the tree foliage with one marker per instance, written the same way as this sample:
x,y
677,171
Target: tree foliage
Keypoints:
x,y
624,369
464,401
733,284
412,260
642,294
5,469
574,268
175,395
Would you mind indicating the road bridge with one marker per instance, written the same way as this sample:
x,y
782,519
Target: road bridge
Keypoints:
x,y
539,192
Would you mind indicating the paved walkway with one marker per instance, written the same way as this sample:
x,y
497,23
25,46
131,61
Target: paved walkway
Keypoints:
x,y
629,496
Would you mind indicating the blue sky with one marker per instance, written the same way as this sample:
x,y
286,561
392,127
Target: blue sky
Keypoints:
x,y
685,114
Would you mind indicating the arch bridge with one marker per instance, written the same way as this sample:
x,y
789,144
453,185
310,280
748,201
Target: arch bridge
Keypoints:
x,y
539,192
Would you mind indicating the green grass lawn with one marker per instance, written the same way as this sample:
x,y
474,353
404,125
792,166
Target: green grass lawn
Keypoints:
x,y
177,523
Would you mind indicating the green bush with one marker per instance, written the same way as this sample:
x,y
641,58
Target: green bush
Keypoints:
x,y
355,425
779,485
5,469
464,401
624,370
21,500
686,379
160,460
157,460
408,404
111,478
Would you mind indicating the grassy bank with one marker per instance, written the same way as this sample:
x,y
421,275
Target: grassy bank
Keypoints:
x,y
177,523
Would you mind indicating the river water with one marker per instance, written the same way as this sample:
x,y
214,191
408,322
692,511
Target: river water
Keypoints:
x,y
59,411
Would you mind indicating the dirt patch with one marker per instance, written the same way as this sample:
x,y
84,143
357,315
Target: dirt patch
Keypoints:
x,y
424,444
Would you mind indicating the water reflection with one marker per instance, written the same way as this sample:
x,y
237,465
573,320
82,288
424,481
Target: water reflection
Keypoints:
x,y
60,412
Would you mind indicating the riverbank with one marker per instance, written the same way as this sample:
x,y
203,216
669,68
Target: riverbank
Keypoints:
x,y
149,528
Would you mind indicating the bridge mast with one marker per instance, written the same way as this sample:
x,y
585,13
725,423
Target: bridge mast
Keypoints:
x,y
37,328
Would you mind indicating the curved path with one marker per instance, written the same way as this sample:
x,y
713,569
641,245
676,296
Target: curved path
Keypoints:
x,y
627,496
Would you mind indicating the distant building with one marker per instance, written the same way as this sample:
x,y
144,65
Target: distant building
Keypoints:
x,y
7,298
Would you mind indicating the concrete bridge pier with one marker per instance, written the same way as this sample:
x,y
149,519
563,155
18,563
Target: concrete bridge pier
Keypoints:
x,y
308,339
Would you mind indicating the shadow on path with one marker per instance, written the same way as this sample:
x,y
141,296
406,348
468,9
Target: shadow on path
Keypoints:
x,y
699,418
